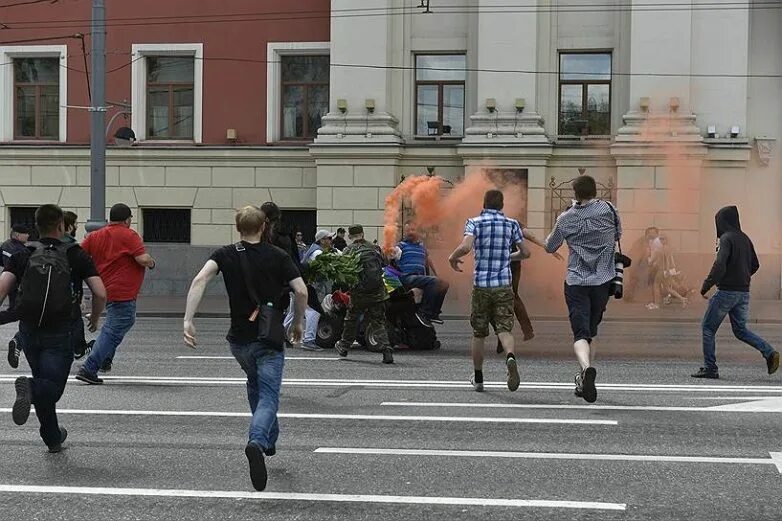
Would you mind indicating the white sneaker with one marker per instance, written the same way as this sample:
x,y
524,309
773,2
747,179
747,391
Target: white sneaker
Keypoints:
x,y
475,385
579,385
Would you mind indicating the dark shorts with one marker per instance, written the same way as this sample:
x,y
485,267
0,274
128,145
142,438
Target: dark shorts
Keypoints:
x,y
586,305
491,306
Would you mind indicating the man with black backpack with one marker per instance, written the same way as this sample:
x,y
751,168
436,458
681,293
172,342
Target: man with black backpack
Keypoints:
x,y
367,298
255,273
50,275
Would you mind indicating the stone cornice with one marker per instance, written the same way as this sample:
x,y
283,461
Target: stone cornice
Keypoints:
x,y
379,128
505,128
658,127
136,154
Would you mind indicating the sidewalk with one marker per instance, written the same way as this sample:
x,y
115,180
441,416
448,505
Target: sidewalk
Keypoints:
x,y
762,311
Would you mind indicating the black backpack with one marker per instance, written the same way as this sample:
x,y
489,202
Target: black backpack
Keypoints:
x,y
371,276
45,292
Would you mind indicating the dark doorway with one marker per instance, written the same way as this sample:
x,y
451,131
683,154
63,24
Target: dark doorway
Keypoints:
x,y
304,221
24,215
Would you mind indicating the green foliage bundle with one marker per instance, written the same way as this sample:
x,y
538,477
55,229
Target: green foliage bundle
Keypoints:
x,y
343,270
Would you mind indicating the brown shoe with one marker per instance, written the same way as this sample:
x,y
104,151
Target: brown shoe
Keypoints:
x,y
773,362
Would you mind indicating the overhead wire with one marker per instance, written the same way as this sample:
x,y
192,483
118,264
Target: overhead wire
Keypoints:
x,y
395,11
451,69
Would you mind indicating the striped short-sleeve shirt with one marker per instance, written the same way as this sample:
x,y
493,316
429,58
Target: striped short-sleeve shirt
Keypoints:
x,y
494,235
413,259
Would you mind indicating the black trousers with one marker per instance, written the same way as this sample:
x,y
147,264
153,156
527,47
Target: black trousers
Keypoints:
x,y
586,305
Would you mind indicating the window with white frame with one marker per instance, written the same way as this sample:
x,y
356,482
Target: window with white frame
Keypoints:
x,y
33,93
170,97
36,98
305,95
167,92
584,94
439,94
297,85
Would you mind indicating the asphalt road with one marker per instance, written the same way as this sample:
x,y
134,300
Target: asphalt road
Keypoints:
x,y
164,437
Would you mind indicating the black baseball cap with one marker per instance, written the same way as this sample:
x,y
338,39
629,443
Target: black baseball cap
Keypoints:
x,y
120,212
20,228
355,230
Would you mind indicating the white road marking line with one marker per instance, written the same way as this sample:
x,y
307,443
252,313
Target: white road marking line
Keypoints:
x,y
319,416
762,405
776,457
765,405
234,359
296,496
458,419
732,398
429,384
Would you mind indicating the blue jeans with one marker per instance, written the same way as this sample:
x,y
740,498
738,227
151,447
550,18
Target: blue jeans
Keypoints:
x,y
263,365
120,317
434,293
50,355
734,304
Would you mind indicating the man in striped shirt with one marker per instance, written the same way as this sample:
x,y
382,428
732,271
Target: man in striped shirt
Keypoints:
x,y
591,228
492,235
418,272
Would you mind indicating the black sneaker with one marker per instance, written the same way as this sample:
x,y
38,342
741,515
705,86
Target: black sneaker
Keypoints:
x,y
436,320
85,350
589,392
704,373
258,474
271,451
85,376
54,449
105,367
513,373
13,353
423,320
773,362
341,350
24,397
388,356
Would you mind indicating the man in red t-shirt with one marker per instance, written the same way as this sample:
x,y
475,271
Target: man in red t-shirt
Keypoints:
x,y
120,257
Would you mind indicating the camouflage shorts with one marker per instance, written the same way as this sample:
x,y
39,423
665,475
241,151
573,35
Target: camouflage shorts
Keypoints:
x,y
491,306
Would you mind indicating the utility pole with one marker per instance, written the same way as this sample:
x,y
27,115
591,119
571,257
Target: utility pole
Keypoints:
x,y
97,218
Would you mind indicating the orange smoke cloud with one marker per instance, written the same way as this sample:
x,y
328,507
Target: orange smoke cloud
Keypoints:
x,y
396,199
434,206
439,211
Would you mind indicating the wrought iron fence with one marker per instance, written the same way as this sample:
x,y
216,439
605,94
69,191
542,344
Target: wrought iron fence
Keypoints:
x,y
561,196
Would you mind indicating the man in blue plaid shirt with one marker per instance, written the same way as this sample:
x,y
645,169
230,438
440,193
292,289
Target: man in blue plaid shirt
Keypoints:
x,y
492,235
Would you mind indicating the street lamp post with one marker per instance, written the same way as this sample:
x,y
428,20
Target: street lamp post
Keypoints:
x,y
97,218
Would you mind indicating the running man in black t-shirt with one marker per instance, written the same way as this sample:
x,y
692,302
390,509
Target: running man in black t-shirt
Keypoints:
x,y
48,348
255,274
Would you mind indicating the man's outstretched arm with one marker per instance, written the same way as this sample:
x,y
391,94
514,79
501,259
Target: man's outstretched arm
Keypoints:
x,y
463,249
194,296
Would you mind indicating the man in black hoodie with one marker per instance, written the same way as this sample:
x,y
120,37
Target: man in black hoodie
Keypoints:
x,y
735,264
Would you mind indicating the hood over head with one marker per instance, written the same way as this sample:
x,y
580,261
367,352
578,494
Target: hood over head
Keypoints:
x,y
727,220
